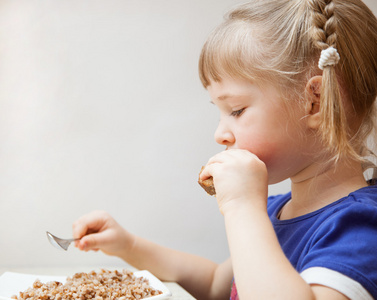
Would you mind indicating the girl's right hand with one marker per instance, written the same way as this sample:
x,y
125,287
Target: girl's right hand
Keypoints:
x,y
99,231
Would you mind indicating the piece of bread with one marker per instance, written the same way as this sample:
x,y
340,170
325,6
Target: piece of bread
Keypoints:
x,y
207,184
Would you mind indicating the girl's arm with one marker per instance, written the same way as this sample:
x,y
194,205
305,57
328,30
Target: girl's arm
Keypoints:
x,y
261,269
201,277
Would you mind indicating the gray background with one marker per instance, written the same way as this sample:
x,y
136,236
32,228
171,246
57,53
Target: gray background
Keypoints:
x,y
102,108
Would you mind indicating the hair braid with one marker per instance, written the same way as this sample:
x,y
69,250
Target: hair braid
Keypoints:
x,y
324,23
333,118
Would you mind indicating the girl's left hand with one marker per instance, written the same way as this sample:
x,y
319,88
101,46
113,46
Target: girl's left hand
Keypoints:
x,y
240,178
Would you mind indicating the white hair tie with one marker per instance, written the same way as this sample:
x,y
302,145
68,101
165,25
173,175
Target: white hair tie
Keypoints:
x,y
329,57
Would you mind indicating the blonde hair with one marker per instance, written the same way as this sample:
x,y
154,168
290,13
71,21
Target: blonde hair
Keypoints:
x,y
280,41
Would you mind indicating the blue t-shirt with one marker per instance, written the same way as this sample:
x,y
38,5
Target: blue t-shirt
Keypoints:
x,y
341,236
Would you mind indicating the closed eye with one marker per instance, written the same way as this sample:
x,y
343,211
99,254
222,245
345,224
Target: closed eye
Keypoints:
x,y
237,113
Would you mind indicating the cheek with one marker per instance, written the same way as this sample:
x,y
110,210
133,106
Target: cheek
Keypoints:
x,y
263,146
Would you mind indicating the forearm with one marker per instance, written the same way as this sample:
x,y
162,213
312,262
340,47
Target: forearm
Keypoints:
x,y
194,273
202,277
260,267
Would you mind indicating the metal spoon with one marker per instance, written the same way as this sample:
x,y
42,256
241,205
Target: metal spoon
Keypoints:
x,y
59,243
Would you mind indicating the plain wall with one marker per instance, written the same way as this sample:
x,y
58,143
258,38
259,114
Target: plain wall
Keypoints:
x,y
102,108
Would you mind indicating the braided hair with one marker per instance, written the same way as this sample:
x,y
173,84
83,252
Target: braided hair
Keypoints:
x,y
333,117
351,28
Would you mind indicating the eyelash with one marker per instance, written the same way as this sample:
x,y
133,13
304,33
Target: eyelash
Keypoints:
x,y
237,113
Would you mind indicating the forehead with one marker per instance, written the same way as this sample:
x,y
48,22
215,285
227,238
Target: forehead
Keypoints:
x,y
227,87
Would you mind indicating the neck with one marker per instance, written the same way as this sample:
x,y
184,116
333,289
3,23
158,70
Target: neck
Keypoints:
x,y
317,186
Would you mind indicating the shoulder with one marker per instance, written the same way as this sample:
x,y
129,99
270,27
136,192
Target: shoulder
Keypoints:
x,y
350,217
366,195
345,241
358,204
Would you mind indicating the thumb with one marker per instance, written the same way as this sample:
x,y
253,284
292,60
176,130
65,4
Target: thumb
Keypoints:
x,y
205,172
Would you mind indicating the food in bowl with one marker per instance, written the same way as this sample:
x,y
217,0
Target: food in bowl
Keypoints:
x,y
105,284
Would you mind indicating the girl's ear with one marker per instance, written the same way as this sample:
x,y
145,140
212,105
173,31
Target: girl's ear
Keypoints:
x,y
312,97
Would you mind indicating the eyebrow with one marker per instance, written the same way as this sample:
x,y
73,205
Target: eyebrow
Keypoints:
x,y
222,97
226,96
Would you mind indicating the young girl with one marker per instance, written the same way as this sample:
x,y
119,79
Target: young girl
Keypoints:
x,y
295,82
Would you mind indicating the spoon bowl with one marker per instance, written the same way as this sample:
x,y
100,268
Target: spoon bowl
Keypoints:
x,y
59,243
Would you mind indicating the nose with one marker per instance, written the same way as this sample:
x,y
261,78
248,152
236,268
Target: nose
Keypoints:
x,y
223,134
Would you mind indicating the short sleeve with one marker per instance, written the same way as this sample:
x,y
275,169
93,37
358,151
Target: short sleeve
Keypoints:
x,y
337,281
346,243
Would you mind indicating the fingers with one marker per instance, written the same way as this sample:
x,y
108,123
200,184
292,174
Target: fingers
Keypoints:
x,y
90,228
205,173
208,169
89,223
219,158
90,242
